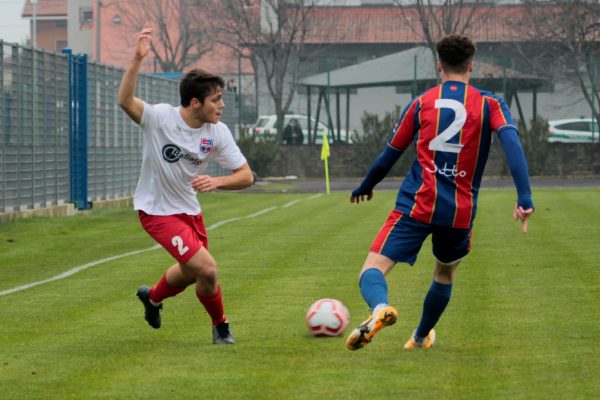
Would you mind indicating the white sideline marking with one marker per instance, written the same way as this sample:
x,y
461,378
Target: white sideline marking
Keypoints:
x,y
80,268
291,203
75,270
261,212
315,196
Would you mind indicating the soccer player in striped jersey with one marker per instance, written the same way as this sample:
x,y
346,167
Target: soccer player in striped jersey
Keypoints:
x,y
451,126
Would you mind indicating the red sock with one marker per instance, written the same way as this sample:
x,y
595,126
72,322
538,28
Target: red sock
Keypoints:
x,y
162,290
213,305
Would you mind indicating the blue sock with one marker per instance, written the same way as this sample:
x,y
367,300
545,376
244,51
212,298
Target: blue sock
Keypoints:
x,y
373,287
434,305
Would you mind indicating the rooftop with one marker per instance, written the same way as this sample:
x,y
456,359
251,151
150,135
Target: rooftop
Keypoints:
x,y
45,8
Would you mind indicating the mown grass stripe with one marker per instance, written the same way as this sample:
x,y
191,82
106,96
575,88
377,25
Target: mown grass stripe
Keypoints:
x,y
80,268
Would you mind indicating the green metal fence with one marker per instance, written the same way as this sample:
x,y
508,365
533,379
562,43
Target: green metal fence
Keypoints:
x,y
35,146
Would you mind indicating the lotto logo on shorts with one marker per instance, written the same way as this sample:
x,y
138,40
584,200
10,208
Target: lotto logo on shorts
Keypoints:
x,y
206,145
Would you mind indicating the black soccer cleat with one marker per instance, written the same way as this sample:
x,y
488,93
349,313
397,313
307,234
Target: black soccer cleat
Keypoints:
x,y
222,334
151,312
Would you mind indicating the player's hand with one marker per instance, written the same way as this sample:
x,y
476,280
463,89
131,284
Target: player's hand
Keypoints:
x,y
357,197
522,214
205,183
144,40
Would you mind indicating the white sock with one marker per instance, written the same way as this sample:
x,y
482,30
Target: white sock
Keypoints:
x,y
155,304
378,307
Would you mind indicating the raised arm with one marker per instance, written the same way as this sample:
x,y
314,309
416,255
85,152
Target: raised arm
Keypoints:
x,y
133,106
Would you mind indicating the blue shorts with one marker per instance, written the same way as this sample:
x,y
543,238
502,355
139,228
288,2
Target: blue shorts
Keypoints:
x,y
401,238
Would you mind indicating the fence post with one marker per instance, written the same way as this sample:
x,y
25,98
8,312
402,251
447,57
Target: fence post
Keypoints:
x,y
4,113
78,129
593,79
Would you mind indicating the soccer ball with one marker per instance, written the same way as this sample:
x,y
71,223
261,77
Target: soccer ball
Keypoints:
x,y
327,317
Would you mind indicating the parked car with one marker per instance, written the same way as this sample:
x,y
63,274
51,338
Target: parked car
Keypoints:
x,y
574,130
265,126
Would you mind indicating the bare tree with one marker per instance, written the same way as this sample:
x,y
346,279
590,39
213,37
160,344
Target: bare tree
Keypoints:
x,y
564,42
438,18
272,34
178,40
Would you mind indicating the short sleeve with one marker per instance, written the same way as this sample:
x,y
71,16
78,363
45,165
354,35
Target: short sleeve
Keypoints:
x,y
150,117
499,113
228,153
404,131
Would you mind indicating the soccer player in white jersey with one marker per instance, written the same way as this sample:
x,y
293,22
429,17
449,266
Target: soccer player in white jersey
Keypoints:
x,y
178,143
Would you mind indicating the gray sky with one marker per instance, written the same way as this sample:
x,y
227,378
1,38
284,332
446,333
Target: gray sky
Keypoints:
x,y
13,28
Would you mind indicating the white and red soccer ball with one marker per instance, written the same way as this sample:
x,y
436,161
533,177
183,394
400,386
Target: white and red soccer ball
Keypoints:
x,y
327,317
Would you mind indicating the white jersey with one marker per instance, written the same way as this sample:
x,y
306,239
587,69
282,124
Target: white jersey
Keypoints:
x,y
173,155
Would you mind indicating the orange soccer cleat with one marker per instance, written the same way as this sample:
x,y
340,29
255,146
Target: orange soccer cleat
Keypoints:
x,y
423,344
363,335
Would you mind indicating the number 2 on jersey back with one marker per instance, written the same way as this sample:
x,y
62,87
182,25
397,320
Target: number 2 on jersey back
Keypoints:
x,y
440,142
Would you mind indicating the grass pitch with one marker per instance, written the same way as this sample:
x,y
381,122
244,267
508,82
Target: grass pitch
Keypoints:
x,y
522,323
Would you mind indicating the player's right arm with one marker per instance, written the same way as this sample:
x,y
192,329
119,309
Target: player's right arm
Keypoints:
x,y
380,168
133,106
401,137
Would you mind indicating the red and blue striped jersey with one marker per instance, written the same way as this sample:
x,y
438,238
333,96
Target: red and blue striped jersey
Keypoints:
x,y
451,126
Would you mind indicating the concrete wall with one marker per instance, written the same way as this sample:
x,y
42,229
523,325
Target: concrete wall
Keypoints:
x,y
62,210
305,161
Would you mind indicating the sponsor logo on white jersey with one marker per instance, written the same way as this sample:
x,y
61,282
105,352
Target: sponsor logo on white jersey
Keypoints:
x,y
172,153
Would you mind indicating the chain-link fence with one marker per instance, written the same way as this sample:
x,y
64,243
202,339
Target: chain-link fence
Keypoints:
x,y
37,119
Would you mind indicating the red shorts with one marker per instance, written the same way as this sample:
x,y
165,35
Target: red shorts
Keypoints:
x,y
181,235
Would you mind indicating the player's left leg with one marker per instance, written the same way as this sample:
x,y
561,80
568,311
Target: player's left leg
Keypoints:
x,y
435,303
449,247
208,291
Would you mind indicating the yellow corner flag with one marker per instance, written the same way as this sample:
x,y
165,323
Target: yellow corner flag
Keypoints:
x,y
324,157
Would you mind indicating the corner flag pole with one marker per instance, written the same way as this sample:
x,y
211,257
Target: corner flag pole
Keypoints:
x,y
325,145
324,157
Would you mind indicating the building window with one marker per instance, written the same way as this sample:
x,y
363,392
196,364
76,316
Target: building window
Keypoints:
x,y
60,44
86,15
61,23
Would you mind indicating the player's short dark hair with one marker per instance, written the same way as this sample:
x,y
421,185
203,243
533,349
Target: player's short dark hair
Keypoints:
x,y
455,53
199,84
